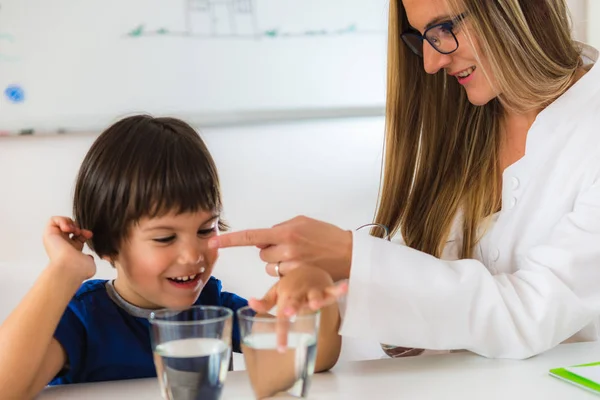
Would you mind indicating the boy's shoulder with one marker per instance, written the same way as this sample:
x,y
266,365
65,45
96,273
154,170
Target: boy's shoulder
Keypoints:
x,y
212,288
213,295
90,288
91,299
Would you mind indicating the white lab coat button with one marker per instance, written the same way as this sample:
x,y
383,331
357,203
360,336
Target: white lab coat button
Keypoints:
x,y
512,203
495,254
515,182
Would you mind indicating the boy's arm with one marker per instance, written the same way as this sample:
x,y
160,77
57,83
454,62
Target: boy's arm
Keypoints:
x,y
31,357
329,342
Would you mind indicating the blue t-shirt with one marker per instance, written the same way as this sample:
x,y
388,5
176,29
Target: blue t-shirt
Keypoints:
x,y
105,342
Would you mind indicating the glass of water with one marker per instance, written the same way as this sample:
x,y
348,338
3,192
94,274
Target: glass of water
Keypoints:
x,y
274,371
192,351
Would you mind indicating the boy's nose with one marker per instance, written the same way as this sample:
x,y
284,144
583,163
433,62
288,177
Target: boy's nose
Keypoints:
x,y
191,255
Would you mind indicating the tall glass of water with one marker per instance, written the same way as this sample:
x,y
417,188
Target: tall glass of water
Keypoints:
x,y
272,371
192,351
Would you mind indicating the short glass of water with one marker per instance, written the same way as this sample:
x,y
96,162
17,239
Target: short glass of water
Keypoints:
x,y
192,351
272,371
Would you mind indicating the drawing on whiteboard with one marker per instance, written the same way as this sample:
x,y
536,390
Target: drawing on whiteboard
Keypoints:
x,y
15,94
5,38
217,17
214,19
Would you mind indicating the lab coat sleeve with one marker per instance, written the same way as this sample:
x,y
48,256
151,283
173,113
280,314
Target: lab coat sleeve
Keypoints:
x,y
405,297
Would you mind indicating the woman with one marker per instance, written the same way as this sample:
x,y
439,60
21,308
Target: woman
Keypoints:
x,y
491,186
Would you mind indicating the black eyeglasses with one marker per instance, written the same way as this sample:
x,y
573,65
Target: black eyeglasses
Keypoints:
x,y
440,36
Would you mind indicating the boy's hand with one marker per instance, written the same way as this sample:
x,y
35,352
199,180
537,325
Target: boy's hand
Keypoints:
x,y
63,241
304,289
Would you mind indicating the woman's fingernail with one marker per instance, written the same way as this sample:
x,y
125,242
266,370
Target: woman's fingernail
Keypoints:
x,y
281,348
289,312
213,243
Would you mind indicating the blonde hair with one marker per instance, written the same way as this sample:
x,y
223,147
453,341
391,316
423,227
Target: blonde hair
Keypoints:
x,y
442,152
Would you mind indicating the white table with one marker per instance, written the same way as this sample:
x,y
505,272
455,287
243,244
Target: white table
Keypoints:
x,y
462,376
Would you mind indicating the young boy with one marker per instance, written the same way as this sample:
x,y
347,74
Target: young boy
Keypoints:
x,y
147,199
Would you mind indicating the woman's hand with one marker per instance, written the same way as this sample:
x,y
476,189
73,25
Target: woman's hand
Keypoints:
x,y
298,242
63,241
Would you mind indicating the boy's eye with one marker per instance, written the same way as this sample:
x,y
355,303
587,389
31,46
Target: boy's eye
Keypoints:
x,y
206,232
166,239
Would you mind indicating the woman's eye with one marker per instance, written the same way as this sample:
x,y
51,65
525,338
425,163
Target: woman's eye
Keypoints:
x,y
206,232
167,239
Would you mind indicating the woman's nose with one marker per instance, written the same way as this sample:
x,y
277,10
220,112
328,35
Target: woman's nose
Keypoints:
x,y
433,60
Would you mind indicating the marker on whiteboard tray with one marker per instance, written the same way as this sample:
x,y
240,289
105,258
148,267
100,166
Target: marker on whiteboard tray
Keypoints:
x,y
15,93
26,132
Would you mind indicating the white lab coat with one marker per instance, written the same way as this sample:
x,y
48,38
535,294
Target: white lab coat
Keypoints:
x,y
534,281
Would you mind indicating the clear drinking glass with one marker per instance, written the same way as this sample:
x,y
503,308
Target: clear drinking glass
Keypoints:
x,y
192,351
392,351
272,371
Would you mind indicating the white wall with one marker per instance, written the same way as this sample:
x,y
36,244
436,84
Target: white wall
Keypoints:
x,y
579,14
593,28
323,169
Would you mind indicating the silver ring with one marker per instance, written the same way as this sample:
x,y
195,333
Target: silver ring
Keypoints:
x,y
277,269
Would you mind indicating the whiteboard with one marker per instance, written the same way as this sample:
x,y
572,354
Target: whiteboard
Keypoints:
x,y
78,65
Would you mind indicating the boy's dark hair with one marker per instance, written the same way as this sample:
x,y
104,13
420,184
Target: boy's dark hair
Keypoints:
x,y
142,167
